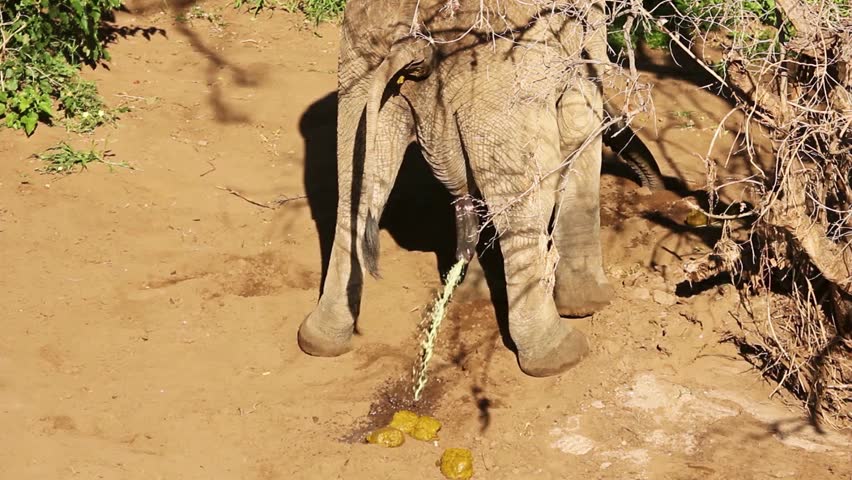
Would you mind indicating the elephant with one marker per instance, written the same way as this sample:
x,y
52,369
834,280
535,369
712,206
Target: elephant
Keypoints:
x,y
497,94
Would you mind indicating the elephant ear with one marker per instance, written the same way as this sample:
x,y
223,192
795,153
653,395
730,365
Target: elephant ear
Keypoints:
x,y
408,58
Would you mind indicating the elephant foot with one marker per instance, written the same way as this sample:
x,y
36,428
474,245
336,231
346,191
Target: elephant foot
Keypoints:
x,y
323,342
581,295
565,353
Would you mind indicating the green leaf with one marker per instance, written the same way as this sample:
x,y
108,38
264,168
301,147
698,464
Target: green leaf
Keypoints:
x,y
45,106
25,99
30,120
23,103
11,119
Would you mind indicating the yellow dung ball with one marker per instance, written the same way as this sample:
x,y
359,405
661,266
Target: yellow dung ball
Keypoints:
x,y
386,436
696,218
404,421
457,463
426,429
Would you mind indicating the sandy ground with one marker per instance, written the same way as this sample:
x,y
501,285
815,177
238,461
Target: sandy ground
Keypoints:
x,y
150,315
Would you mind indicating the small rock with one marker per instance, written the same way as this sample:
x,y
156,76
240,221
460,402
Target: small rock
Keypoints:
x,y
574,444
598,404
641,293
202,143
643,191
784,474
663,298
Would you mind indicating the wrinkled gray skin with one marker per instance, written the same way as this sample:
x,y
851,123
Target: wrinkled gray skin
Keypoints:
x,y
491,116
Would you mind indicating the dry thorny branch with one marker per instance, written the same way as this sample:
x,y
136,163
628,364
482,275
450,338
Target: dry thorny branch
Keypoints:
x,y
787,70
792,80
797,86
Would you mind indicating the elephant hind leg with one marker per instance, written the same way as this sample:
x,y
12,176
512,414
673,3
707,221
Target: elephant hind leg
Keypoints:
x,y
581,286
327,331
522,203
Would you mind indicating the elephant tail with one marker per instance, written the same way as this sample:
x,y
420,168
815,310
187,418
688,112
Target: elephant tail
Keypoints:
x,y
407,56
624,141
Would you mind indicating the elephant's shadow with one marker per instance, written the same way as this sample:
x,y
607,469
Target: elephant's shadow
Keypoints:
x,y
419,213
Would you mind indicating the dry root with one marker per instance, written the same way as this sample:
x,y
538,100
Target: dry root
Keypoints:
x,y
803,350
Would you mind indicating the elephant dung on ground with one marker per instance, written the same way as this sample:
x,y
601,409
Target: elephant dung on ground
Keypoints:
x,y
497,94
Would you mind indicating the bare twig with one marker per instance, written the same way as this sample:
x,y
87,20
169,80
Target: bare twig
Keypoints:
x,y
284,199
716,216
211,170
240,195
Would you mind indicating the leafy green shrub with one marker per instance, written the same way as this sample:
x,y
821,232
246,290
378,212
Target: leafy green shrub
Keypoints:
x,y
255,6
684,17
322,10
45,41
316,10
84,108
71,28
65,159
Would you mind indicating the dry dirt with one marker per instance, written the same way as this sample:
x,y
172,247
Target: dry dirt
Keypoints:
x,y
150,316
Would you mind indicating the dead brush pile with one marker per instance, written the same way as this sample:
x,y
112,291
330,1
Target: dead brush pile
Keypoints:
x,y
787,65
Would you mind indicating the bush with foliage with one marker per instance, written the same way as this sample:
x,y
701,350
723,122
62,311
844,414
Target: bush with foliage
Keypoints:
x,y
44,42
316,10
